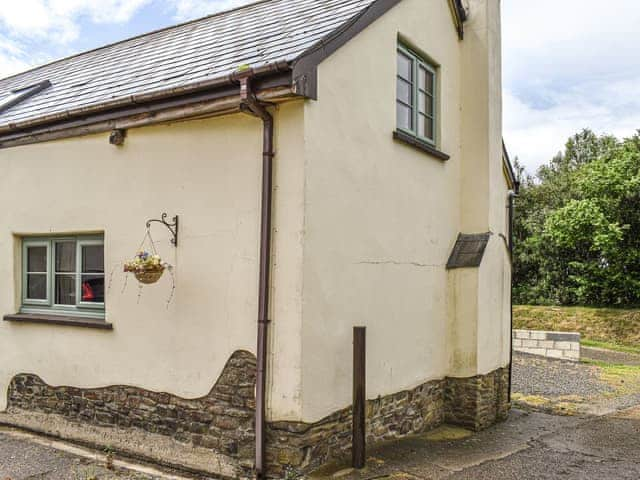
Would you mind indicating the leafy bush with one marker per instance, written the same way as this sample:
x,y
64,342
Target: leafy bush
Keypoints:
x,y
577,225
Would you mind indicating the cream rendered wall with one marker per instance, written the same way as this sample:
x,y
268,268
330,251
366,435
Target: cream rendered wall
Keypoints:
x,y
206,171
463,326
485,195
493,324
363,227
381,217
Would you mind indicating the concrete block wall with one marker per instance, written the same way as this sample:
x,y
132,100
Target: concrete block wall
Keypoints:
x,y
562,345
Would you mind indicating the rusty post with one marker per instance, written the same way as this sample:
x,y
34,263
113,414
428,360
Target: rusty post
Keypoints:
x,y
358,446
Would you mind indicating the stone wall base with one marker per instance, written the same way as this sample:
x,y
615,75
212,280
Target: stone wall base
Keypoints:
x,y
300,448
477,402
215,434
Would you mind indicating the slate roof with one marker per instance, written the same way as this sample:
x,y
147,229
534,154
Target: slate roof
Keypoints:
x,y
213,47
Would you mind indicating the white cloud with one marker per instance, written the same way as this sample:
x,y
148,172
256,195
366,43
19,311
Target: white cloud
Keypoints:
x,y
57,20
11,57
188,9
51,26
536,135
568,65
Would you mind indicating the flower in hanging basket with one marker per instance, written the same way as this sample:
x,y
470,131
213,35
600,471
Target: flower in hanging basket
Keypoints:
x,y
146,267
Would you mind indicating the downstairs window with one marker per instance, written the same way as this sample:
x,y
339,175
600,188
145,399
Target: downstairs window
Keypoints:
x,y
63,275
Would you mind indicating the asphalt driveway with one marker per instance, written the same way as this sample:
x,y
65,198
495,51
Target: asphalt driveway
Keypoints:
x,y
29,457
528,446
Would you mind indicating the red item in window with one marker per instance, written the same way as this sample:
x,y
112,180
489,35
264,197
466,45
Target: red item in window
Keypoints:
x,y
87,292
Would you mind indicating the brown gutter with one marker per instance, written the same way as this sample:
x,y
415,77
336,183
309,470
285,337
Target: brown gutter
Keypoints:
x,y
252,106
301,75
166,111
136,100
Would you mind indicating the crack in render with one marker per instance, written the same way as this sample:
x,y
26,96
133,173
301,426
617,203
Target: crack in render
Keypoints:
x,y
394,262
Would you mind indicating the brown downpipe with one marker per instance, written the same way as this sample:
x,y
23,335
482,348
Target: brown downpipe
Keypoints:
x,y
511,207
251,105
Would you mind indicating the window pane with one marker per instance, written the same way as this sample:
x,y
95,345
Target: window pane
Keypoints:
x,y
405,67
93,259
404,92
36,259
93,288
65,289
425,80
425,103
425,127
430,109
65,256
37,286
404,115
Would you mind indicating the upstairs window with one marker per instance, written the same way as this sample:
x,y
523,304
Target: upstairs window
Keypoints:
x,y
63,275
416,96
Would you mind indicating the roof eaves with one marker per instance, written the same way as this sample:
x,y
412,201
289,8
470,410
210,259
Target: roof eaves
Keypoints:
x,y
509,170
305,67
459,16
213,102
134,100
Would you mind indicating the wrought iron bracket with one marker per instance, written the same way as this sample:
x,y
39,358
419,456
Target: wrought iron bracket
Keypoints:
x,y
173,227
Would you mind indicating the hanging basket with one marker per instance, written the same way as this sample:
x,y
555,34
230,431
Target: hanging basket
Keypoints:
x,y
147,268
149,277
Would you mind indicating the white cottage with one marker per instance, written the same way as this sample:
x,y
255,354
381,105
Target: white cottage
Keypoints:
x,y
324,165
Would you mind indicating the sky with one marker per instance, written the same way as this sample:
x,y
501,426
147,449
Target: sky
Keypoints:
x,y
567,64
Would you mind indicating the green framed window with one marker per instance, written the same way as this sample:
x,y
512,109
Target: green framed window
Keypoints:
x,y
416,95
63,275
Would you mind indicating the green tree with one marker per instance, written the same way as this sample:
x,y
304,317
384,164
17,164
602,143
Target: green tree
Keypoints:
x,y
577,226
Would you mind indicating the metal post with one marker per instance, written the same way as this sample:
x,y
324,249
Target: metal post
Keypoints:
x,y
358,446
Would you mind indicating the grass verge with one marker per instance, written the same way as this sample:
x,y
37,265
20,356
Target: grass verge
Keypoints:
x,y
611,346
564,405
619,327
624,378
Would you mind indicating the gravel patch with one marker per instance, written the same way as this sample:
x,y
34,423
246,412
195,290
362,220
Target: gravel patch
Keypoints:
x,y
547,377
